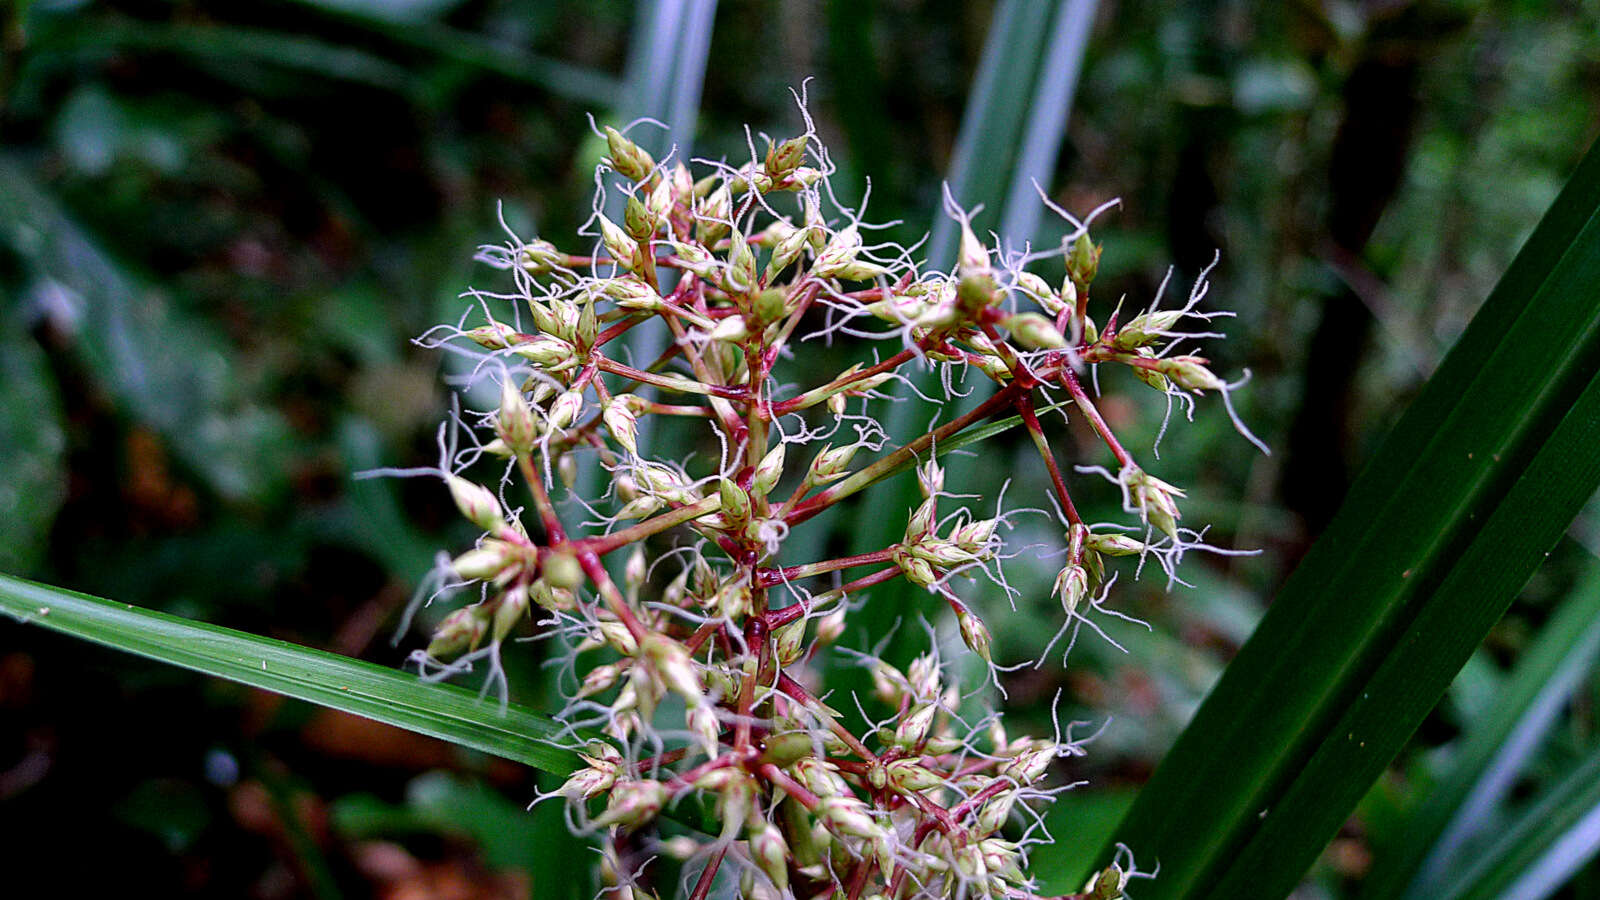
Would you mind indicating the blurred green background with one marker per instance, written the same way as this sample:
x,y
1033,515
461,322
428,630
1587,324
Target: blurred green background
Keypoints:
x,y
221,225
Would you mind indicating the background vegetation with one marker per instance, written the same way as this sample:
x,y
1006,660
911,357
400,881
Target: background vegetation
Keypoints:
x,y
220,225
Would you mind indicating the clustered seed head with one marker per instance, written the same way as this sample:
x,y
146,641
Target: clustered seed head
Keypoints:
x,y
691,655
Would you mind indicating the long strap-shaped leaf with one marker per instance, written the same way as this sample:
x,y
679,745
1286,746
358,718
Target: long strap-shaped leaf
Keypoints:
x,y
1541,849
394,698
1477,481
1428,849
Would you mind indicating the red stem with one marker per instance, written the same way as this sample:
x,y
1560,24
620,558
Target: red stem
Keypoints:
x,y
1081,398
1031,421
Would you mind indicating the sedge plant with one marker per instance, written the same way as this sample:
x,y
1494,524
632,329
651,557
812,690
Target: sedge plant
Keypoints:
x,y
688,635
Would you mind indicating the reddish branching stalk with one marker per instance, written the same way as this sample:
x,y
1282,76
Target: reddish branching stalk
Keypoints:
x,y
675,577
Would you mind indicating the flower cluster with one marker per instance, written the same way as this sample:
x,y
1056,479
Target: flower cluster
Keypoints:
x,y
691,652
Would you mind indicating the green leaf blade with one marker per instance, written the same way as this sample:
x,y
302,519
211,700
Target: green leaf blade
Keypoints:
x,y
1479,479
442,711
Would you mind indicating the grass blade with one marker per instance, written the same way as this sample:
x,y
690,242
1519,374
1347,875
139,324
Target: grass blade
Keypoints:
x,y
1427,849
1542,849
1054,86
384,695
665,71
1479,479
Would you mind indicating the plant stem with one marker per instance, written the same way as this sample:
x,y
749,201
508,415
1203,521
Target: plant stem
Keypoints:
x,y
605,543
872,473
771,577
1036,431
1070,380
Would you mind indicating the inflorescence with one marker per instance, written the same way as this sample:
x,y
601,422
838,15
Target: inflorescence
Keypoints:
x,y
689,659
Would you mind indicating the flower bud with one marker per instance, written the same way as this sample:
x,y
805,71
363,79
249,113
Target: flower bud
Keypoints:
x,y
889,684
624,250
974,257
565,408
768,471
1083,262
921,521
670,659
1113,544
917,571
548,352
515,424
975,634
634,572
974,537
1072,585
911,775
1038,290
820,778
1149,376
830,627
632,293
995,811
513,606
627,158
1002,859
1190,373
661,481
831,464
1145,328
590,782
622,423
750,178
788,640
493,336
600,678
923,676
785,157
1107,884
771,854
740,275
477,503
562,570
785,749
695,258
735,502
735,799
639,508
839,253
637,220
1030,765
538,257
1035,332
483,563
1153,498
913,729
617,636
633,803
681,848
460,631
643,691
660,199
786,251
930,478
702,720
711,220
846,815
